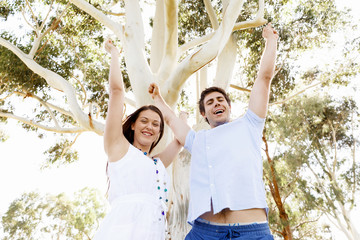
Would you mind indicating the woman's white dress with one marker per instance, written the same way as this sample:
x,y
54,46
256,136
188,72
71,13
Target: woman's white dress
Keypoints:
x,y
138,198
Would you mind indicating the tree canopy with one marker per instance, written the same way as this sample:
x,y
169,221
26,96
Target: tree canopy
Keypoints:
x,y
37,216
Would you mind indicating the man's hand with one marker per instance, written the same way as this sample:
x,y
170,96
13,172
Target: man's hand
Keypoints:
x,y
154,90
184,116
270,32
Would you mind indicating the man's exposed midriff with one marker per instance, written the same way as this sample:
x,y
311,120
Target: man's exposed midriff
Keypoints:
x,y
238,216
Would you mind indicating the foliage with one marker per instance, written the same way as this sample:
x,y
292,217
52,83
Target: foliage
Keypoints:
x,y
314,159
60,153
36,216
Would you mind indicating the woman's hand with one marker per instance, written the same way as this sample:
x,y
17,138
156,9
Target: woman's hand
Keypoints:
x,y
110,47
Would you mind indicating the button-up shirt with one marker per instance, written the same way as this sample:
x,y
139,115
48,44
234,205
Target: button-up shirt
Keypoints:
x,y
226,167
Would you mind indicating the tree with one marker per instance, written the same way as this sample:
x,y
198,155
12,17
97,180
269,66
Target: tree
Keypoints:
x,y
33,216
58,61
318,154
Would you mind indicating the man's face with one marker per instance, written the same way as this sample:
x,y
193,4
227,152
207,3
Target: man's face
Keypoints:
x,y
217,109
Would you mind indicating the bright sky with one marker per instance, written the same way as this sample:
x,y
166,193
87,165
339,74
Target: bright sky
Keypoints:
x,y
21,158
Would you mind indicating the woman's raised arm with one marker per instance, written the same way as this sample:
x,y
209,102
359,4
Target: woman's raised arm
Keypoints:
x,y
115,144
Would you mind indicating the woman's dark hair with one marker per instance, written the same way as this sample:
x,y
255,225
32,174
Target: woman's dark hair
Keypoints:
x,y
129,133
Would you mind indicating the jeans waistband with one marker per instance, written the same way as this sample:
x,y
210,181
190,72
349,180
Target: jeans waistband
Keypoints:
x,y
232,231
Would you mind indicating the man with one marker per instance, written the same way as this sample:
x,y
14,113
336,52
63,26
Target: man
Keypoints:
x,y
227,195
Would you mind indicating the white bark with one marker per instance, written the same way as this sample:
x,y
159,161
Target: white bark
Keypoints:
x,y
116,28
205,54
134,49
171,41
212,15
202,78
179,198
56,81
225,64
158,37
38,125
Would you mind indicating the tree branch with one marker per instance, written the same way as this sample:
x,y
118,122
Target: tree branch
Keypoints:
x,y
40,36
68,147
56,108
59,83
225,64
23,14
37,125
44,104
171,41
306,222
258,21
134,50
120,14
33,15
296,94
100,16
205,54
240,88
158,37
212,15
46,17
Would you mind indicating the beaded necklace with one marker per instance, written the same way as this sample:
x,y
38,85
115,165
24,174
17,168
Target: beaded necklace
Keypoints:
x,y
158,182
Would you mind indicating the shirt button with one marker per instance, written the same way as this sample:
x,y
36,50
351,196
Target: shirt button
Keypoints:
x,y
207,147
210,166
211,185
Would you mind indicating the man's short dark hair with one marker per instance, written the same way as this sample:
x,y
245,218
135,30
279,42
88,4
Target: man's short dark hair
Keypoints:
x,y
208,91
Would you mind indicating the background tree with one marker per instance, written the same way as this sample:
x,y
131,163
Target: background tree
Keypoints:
x,y
317,153
35,216
296,212
55,60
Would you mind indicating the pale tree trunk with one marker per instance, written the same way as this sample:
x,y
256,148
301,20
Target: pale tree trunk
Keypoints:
x,y
226,62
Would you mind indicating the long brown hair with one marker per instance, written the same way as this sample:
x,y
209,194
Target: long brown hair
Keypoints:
x,y
129,133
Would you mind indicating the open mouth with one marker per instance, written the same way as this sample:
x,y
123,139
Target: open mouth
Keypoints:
x,y
219,111
147,133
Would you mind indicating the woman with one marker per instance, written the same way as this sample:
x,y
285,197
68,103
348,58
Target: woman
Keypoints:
x,y
138,182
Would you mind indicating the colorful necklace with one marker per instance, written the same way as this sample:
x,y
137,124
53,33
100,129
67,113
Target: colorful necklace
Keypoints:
x,y
158,182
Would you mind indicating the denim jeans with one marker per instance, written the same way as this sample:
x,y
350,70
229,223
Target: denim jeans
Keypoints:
x,y
205,231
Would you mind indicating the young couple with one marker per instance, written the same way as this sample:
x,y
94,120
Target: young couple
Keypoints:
x,y
227,195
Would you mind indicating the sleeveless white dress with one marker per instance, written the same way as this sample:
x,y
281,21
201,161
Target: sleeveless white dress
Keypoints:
x,y
138,197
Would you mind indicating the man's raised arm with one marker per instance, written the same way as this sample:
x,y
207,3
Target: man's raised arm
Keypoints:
x,y
259,96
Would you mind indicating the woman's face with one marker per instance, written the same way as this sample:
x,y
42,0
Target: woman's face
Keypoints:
x,y
146,129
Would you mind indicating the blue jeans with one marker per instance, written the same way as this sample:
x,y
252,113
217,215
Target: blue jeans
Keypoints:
x,y
205,231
